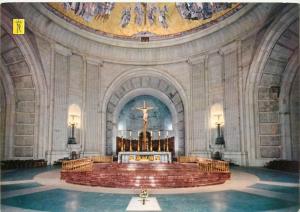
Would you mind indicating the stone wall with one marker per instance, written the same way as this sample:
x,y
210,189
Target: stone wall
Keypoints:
x,y
2,121
230,68
295,117
269,91
24,122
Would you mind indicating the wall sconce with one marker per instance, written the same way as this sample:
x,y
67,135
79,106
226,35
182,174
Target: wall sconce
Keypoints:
x,y
73,123
220,139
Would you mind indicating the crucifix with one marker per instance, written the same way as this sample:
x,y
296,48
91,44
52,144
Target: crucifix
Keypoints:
x,y
144,109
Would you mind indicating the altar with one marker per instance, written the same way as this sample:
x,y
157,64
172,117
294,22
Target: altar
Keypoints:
x,y
144,157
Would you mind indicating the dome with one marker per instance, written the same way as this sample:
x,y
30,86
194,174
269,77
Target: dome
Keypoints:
x,y
143,21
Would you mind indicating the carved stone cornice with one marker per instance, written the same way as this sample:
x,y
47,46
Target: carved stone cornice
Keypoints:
x,y
228,48
94,61
62,50
196,59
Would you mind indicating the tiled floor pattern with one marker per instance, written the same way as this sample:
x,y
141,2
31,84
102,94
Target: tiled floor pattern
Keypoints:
x,y
277,191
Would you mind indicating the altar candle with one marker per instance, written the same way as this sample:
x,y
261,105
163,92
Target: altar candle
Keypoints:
x,y
151,133
167,133
158,133
130,133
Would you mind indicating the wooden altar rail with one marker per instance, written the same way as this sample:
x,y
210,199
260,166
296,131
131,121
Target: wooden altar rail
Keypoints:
x,y
78,165
206,165
102,159
213,166
188,159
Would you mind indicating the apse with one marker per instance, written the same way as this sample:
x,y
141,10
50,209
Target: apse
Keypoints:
x,y
131,119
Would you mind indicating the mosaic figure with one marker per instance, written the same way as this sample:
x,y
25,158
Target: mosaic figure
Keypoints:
x,y
207,10
90,10
103,10
151,13
139,13
126,16
162,18
197,11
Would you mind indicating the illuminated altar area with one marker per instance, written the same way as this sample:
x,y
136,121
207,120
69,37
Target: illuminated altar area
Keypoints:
x,y
145,157
145,132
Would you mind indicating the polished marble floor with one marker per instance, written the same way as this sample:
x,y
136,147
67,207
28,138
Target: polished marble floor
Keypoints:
x,y
273,191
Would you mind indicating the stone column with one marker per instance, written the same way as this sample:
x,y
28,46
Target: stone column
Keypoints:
x,y
231,102
92,118
60,102
198,105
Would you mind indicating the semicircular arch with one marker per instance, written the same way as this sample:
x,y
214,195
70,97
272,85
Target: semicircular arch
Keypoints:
x,y
144,82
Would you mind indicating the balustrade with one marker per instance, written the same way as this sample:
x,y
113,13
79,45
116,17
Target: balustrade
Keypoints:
x,y
78,165
206,165
102,159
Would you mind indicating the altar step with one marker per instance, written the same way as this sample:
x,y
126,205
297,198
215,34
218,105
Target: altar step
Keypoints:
x,y
145,175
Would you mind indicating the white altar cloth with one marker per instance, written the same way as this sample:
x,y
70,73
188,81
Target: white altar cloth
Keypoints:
x,y
131,157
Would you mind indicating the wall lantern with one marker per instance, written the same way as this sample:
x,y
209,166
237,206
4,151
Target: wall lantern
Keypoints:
x,y
220,139
73,123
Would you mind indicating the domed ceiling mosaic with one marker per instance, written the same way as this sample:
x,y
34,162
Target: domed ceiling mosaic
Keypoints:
x,y
143,20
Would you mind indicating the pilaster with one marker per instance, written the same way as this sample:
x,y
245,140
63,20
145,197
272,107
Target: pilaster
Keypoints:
x,y
231,97
92,145
59,99
198,104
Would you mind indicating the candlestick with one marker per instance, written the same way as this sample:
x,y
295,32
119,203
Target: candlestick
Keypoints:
x,y
167,145
130,146
138,147
159,141
122,143
151,147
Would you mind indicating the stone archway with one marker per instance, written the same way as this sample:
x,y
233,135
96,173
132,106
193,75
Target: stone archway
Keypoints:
x,y
263,87
27,116
146,85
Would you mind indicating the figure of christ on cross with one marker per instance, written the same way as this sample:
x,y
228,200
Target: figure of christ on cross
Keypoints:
x,y
145,109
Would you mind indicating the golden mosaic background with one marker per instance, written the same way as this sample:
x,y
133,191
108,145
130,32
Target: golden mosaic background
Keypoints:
x,y
176,23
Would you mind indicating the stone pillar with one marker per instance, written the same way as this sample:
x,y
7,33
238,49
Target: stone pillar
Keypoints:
x,y
243,148
60,102
231,102
198,106
92,118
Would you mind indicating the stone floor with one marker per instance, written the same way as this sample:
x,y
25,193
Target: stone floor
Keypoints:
x,y
250,189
